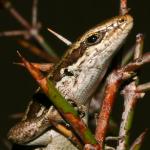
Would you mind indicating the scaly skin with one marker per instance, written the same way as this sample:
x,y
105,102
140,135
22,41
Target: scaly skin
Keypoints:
x,y
76,77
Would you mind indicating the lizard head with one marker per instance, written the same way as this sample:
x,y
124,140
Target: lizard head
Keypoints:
x,y
105,38
111,33
87,60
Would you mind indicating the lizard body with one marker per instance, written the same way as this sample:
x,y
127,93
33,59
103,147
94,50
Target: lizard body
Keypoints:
x,y
76,76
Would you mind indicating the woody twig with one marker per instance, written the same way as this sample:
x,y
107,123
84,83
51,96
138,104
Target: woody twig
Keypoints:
x,y
113,83
131,94
123,7
31,30
65,109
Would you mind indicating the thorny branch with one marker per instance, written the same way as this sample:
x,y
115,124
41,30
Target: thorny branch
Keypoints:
x,y
131,95
131,92
113,83
65,109
31,30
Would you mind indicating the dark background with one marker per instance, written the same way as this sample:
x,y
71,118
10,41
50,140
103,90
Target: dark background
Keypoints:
x,y
70,18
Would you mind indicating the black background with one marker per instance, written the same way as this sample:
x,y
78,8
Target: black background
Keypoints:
x,y
70,18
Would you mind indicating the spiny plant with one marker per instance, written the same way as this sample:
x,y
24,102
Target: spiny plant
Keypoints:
x,y
72,131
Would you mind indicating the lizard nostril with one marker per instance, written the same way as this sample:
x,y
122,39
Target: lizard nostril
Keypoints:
x,y
121,20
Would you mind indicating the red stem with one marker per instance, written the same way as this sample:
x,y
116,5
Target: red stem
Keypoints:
x,y
103,119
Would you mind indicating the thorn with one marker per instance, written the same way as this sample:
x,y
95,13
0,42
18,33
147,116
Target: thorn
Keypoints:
x,y
36,73
19,54
18,63
63,39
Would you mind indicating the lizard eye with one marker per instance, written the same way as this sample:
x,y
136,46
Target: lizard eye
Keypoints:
x,y
94,39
